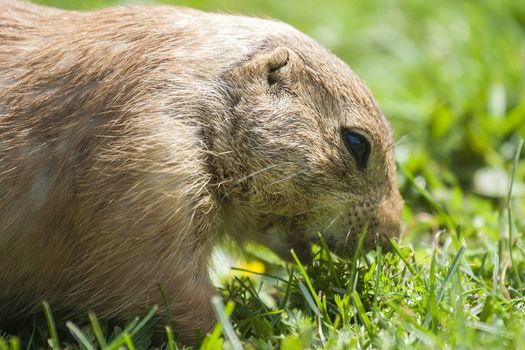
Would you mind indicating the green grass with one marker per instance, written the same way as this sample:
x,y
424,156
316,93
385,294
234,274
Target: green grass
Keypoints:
x,y
451,77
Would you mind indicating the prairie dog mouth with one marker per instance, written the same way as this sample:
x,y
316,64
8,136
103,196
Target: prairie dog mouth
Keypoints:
x,y
282,240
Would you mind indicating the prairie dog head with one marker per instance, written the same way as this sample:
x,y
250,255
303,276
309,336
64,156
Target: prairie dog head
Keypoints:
x,y
305,149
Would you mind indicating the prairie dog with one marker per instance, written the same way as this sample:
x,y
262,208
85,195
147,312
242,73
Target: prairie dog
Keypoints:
x,y
134,139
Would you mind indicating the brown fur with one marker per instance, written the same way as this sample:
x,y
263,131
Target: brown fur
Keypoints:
x,y
132,140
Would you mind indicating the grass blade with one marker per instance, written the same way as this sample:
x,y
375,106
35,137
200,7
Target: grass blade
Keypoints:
x,y
448,276
307,279
410,267
97,330
432,301
330,262
495,275
132,329
309,299
361,313
289,285
510,219
379,266
167,305
55,343
451,271
171,339
129,342
14,343
79,336
355,258
223,317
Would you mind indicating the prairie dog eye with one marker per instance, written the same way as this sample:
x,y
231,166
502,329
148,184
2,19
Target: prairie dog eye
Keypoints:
x,y
358,146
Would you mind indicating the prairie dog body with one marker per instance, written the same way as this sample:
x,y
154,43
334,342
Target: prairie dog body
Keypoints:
x,y
132,140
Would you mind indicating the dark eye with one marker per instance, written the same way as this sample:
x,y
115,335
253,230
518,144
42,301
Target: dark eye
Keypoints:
x,y
358,146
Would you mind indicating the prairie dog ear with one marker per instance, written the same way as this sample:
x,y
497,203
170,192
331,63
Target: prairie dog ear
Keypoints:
x,y
273,66
277,60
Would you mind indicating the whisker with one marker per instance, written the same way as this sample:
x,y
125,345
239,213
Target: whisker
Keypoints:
x,y
258,172
249,175
403,139
287,178
332,222
348,234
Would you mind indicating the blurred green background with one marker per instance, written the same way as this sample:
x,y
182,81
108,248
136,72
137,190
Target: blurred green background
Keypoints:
x,y
450,75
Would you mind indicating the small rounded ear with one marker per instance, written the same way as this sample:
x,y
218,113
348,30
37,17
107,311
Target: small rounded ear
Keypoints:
x,y
274,66
276,60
